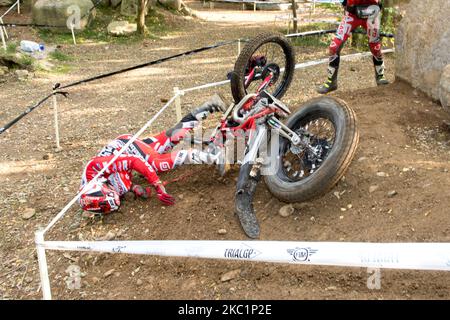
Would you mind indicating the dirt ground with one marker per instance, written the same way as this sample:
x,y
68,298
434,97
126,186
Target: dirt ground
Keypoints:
x,y
401,134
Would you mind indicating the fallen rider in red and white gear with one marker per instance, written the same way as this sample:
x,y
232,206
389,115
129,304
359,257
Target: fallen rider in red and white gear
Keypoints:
x,y
147,157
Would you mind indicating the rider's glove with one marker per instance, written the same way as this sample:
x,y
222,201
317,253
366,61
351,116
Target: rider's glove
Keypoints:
x,y
162,195
141,192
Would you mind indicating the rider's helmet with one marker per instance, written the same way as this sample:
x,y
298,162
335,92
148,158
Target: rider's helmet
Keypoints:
x,y
100,198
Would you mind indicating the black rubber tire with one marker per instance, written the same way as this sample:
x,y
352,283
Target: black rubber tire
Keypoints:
x,y
237,80
335,164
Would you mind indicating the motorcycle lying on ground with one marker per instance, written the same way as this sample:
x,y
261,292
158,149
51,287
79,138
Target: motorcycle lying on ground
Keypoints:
x,y
313,145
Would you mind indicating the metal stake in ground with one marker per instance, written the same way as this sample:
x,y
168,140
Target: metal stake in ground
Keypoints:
x,y
43,268
177,93
4,28
3,38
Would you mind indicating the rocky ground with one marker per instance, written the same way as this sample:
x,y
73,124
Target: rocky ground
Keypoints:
x,y
394,190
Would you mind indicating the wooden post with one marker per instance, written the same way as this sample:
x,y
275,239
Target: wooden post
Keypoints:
x,y
239,47
177,92
3,39
55,113
73,34
4,29
43,267
18,6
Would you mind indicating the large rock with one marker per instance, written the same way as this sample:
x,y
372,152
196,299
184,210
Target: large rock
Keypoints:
x,y
444,88
115,3
422,45
6,3
63,12
173,4
120,28
129,8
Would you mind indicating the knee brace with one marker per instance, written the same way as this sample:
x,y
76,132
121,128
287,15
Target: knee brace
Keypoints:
x,y
375,48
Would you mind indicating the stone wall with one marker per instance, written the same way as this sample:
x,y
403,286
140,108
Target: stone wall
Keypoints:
x,y
423,46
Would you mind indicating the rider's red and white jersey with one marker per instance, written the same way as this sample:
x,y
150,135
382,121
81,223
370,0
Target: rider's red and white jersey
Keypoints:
x,y
124,164
137,148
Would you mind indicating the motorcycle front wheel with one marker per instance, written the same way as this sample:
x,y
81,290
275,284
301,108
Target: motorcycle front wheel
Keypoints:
x,y
328,127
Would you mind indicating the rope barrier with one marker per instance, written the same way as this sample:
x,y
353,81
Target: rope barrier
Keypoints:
x,y
146,64
322,32
117,155
109,74
8,125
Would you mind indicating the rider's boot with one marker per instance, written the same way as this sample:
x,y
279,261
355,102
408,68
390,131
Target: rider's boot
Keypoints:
x,y
331,83
196,156
379,71
215,104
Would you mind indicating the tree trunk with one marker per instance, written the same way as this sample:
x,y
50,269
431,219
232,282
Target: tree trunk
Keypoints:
x,y
294,14
142,10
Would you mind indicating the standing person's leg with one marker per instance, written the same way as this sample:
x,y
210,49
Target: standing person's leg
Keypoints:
x,y
372,26
348,24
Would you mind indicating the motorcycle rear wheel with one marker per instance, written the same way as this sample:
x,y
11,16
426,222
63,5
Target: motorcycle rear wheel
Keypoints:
x,y
278,53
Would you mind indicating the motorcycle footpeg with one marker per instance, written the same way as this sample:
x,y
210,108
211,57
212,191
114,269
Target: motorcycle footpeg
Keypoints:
x,y
246,213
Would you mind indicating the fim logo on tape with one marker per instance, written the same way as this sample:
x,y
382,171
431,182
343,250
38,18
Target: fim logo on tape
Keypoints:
x,y
301,254
243,252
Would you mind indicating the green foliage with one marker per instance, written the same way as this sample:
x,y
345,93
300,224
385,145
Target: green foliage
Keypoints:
x,y
390,21
314,41
59,56
330,7
11,47
61,69
26,60
12,60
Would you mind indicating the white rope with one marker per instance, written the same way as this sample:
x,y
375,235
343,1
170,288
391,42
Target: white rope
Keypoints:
x,y
297,66
306,33
205,86
87,186
346,57
417,256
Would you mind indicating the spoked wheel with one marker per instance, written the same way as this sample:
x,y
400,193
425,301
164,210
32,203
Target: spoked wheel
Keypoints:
x,y
267,57
298,162
327,128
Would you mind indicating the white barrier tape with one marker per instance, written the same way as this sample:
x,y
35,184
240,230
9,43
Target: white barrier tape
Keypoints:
x,y
306,33
132,139
206,86
297,66
417,256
